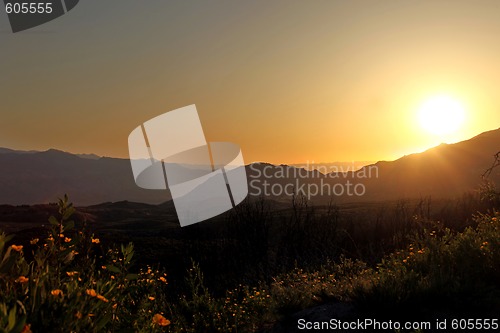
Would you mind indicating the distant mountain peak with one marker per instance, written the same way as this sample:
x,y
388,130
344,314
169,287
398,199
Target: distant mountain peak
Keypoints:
x,y
51,151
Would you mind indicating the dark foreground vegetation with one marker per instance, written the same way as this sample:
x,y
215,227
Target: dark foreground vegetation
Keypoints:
x,y
253,268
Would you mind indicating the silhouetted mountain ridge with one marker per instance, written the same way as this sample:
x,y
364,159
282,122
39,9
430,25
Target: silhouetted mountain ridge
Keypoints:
x,y
445,170
42,177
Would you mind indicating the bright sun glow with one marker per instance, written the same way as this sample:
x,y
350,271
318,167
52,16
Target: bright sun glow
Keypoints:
x,y
441,115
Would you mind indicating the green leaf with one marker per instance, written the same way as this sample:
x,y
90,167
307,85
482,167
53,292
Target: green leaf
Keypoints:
x,y
132,277
7,264
53,220
68,212
70,225
129,257
69,256
19,325
8,238
12,319
113,269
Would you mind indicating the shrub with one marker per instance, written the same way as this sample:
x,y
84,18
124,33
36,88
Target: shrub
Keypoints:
x,y
459,271
67,287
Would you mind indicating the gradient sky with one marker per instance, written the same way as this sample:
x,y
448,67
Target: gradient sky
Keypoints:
x,y
290,81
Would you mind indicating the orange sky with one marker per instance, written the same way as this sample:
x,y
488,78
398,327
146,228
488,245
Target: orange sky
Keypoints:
x,y
290,82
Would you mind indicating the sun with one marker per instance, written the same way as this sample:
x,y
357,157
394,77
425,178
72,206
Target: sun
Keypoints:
x,y
441,115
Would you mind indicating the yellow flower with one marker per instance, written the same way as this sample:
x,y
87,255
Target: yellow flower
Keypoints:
x,y
91,292
22,279
67,240
96,240
61,235
162,279
17,248
57,292
159,320
34,241
151,298
72,273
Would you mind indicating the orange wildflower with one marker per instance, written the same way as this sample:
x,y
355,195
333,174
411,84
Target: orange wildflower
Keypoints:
x,y
56,292
17,248
91,292
22,279
102,298
159,320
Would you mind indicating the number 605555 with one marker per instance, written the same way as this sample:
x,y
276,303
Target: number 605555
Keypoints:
x,y
28,8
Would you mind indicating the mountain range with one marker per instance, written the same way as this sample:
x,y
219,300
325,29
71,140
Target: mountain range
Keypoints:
x,y
32,177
